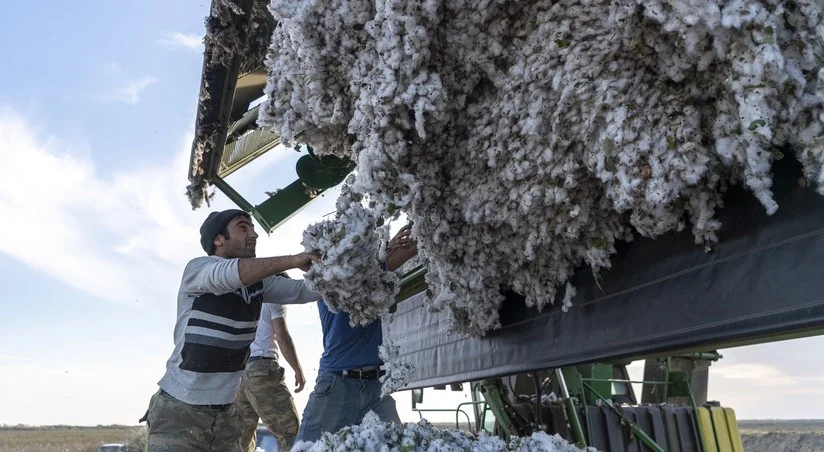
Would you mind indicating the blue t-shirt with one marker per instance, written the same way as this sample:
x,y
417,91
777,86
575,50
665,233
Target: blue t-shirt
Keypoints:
x,y
345,347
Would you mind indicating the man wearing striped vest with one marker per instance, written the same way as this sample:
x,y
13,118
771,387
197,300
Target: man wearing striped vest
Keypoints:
x,y
218,307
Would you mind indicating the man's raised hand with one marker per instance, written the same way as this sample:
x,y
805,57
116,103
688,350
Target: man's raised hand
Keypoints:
x,y
401,248
401,240
304,260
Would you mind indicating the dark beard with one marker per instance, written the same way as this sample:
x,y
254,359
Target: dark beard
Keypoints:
x,y
238,250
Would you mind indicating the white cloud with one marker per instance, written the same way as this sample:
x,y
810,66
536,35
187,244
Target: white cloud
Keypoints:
x,y
131,92
121,235
188,41
762,389
758,374
76,219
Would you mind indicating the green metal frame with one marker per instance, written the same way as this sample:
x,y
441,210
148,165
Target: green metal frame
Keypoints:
x,y
589,390
492,391
680,384
316,175
412,283
676,384
276,210
600,377
637,431
285,204
571,410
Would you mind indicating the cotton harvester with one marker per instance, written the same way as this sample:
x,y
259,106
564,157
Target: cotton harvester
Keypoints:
x,y
664,300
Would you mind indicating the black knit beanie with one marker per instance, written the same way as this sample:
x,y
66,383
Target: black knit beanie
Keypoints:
x,y
212,226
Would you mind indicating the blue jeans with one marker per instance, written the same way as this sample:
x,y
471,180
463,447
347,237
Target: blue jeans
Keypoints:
x,y
337,402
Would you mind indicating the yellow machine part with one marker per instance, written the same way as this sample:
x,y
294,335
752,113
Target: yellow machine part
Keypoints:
x,y
719,430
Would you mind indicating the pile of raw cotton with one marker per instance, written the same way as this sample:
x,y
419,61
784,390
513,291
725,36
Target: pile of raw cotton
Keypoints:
x,y
372,434
524,138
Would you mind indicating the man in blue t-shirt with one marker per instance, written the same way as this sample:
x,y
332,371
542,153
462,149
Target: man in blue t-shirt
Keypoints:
x,y
348,384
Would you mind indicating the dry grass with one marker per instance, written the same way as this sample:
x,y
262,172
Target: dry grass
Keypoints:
x,y
62,438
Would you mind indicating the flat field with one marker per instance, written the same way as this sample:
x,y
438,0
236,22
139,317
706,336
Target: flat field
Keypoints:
x,y
797,435
66,438
757,435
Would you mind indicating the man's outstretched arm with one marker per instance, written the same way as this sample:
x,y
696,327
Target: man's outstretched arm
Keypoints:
x,y
219,276
252,270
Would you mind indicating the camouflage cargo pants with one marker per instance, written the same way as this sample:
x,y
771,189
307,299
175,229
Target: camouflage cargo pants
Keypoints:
x,y
263,394
177,426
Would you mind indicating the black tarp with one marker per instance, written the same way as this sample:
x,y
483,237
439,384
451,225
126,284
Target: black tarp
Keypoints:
x,y
764,278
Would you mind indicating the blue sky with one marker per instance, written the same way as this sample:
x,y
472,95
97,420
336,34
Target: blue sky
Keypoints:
x,y
96,116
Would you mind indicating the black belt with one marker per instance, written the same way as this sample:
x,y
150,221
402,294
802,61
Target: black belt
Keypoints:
x,y
211,407
373,374
257,358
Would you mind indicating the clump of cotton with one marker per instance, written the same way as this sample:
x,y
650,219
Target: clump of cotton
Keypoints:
x,y
372,434
351,274
523,139
398,371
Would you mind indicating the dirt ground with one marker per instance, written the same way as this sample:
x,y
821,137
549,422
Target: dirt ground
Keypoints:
x,y
782,436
